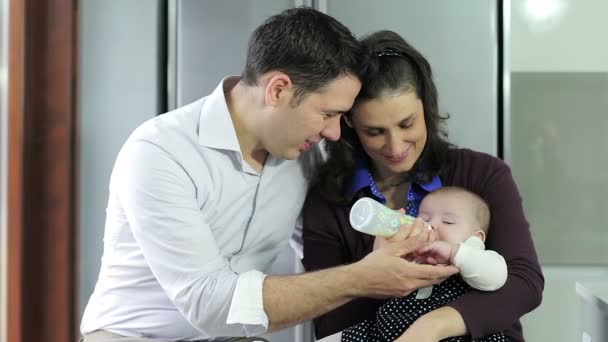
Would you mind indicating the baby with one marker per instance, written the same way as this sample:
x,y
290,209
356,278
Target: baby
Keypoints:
x,y
460,220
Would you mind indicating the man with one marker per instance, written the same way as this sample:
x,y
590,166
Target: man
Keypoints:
x,y
203,198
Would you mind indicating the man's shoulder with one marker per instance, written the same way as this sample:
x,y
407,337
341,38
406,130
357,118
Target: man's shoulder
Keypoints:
x,y
174,129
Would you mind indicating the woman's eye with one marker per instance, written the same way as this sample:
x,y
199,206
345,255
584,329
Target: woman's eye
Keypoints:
x,y
374,132
406,125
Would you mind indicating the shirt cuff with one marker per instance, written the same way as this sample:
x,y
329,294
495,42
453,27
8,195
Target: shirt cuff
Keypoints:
x,y
247,306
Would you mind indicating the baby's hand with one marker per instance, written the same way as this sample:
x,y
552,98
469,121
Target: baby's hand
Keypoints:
x,y
437,252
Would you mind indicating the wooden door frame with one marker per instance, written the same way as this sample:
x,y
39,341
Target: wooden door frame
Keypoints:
x,y
42,170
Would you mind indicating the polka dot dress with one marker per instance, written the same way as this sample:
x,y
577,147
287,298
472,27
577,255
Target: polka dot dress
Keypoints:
x,y
396,315
412,203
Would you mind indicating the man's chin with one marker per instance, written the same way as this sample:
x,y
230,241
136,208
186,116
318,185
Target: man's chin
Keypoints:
x,y
291,154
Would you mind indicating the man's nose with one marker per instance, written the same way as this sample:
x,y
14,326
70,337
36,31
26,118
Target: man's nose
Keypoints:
x,y
332,129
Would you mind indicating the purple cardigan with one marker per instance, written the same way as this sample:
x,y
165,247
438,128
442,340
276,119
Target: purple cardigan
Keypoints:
x,y
329,240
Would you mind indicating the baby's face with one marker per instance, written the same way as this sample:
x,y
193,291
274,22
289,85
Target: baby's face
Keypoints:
x,y
451,215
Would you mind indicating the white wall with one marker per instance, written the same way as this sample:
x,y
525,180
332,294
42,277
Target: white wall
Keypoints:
x,y
459,39
572,39
119,89
557,318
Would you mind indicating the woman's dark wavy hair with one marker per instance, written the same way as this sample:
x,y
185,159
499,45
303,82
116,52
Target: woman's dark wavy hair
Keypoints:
x,y
392,66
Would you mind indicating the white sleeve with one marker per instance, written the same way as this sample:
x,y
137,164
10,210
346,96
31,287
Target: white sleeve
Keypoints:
x,y
482,269
159,200
247,305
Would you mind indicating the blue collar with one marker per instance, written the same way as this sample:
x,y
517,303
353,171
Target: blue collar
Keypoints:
x,y
362,177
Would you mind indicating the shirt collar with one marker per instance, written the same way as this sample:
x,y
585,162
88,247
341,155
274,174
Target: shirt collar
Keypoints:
x,y
216,129
362,177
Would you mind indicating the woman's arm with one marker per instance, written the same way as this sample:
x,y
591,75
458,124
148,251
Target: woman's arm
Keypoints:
x,y
436,325
490,312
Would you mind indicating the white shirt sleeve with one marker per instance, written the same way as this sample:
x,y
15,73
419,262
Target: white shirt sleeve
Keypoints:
x,y
482,269
247,305
159,202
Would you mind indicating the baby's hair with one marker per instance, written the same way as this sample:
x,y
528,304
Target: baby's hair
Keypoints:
x,y
480,208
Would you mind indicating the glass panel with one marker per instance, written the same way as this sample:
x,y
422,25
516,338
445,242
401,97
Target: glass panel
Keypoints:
x,y
558,126
559,101
556,145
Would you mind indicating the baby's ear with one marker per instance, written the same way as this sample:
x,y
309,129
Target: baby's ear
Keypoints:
x,y
480,234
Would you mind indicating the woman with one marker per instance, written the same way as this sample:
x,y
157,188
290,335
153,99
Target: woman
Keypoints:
x,y
395,150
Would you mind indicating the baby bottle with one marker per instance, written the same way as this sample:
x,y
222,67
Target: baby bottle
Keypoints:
x,y
374,218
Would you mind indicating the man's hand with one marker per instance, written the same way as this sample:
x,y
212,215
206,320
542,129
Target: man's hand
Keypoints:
x,y
385,273
419,227
292,299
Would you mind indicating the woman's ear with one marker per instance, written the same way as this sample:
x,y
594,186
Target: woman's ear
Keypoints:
x,y
347,120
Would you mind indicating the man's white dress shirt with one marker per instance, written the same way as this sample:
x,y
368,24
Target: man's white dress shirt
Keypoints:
x,y
190,228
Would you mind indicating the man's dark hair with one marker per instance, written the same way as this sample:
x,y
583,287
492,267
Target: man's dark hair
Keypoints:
x,y
311,47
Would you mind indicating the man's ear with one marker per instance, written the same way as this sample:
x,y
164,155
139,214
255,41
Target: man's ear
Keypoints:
x,y
279,89
480,234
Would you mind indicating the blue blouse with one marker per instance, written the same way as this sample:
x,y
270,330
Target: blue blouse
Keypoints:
x,y
362,178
